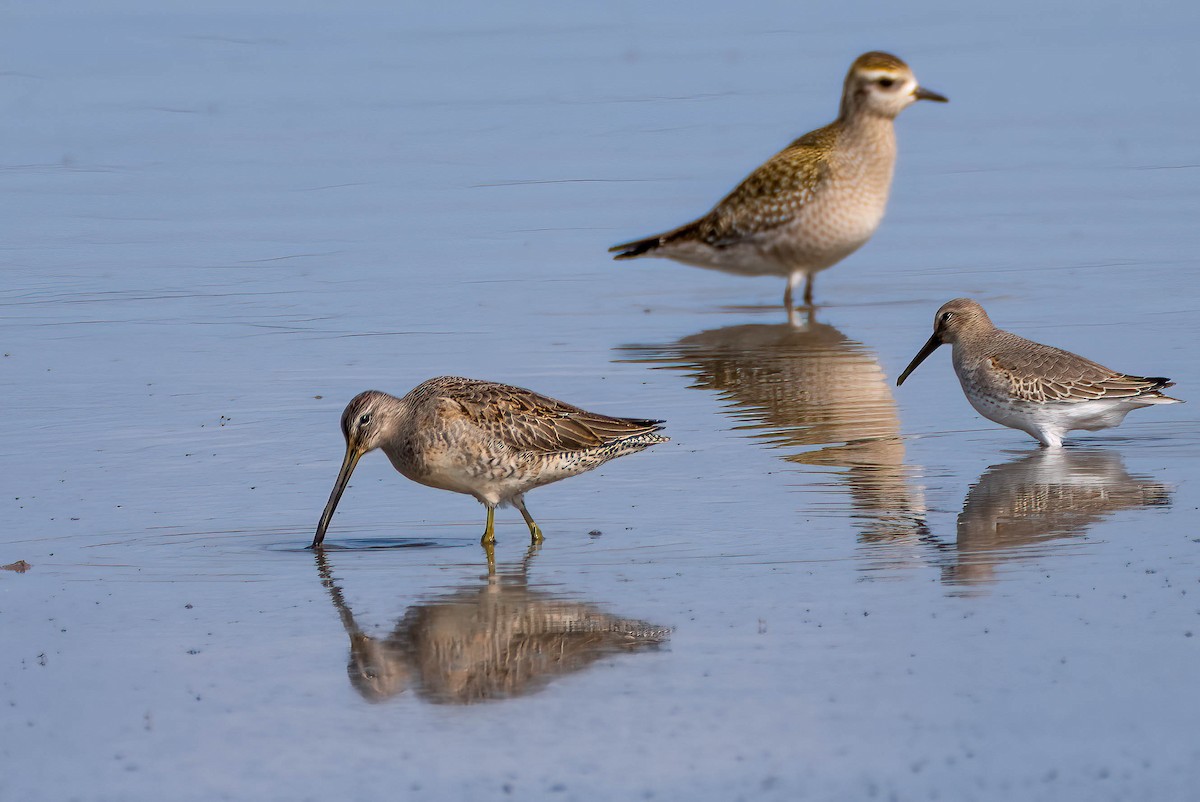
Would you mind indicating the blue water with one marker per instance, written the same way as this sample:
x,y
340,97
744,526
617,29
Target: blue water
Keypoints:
x,y
221,224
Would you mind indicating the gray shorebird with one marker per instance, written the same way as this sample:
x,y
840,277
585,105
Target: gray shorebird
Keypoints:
x,y
815,202
1039,389
488,440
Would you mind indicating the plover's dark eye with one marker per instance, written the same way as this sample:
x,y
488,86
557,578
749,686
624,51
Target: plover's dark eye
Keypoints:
x,y
886,83
365,419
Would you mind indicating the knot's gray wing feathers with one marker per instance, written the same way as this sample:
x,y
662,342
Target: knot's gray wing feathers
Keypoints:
x,y
1042,373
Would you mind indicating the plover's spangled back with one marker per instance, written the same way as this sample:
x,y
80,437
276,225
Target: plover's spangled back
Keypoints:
x,y
813,203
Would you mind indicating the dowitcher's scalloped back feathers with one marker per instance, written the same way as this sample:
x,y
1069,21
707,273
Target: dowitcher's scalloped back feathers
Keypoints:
x,y
492,441
813,203
1036,388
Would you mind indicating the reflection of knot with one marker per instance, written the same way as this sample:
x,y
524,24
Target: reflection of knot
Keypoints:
x,y
1045,496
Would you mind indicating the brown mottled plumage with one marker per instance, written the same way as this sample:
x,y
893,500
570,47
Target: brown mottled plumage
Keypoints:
x,y
1039,389
878,60
813,203
771,196
489,440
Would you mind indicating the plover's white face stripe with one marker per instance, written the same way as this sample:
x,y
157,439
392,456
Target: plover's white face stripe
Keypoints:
x,y
883,90
874,76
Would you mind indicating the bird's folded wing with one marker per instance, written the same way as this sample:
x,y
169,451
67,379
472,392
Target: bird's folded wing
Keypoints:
x,y
1046,374
773,194
527,421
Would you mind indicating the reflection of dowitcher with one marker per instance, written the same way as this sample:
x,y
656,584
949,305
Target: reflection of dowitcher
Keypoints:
x,y
1039,389
813,203
810,386
491,441
1042,496
482,642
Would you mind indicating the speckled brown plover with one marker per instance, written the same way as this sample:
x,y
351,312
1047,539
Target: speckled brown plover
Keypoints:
x,y
815,202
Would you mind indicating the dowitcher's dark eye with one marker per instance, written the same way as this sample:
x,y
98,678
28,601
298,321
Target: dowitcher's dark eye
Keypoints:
x,y
887,83
365,419
946,316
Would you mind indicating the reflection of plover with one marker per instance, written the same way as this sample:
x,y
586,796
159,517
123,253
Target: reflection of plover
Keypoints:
x,y
813,203
817,398
491,441
1036,388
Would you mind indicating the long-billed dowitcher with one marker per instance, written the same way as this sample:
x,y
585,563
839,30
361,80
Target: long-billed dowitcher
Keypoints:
x,y
815,202
1039,389
491,441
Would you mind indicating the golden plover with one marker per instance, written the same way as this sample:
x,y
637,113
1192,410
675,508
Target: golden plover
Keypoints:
x,y
815,202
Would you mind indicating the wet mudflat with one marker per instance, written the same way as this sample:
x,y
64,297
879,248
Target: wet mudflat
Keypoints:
x,y
220,226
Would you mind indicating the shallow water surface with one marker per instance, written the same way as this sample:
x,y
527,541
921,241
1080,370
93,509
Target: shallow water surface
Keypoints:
x,y
221,225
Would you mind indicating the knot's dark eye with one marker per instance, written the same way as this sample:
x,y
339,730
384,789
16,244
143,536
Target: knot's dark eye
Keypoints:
x,y
946,316
365,419
886,83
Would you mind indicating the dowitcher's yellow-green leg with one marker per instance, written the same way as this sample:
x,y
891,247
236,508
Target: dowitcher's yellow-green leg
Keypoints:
x,y
530,553
489,551
535,531
489,531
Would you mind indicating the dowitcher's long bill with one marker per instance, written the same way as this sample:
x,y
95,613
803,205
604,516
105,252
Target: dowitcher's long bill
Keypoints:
x,y
1039,389
491,441
813,203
